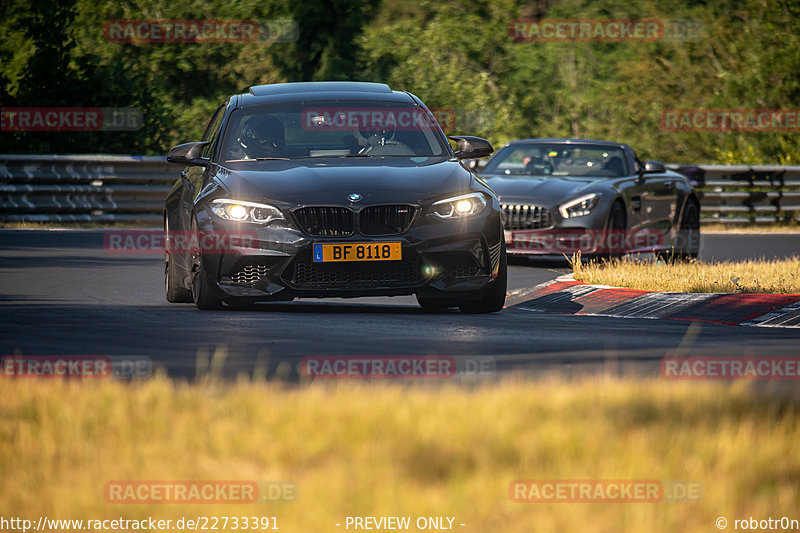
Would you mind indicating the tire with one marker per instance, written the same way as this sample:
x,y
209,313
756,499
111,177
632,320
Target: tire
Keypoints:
x,y
204,295
617,221
174,290
494,297
689,235
617,218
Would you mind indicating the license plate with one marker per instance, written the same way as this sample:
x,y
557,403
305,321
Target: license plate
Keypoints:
x,y
358,251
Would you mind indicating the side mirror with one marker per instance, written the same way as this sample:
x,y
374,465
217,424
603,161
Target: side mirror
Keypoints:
x,y
472,147
654,167
188,154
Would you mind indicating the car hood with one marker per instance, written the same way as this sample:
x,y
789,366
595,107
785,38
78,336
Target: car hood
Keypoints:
x,y
330,181
544,191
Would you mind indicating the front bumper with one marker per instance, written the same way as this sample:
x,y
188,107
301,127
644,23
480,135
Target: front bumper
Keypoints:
x,y
440,258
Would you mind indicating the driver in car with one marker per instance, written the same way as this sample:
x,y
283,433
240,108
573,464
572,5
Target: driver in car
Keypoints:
x,y
260,137
379,139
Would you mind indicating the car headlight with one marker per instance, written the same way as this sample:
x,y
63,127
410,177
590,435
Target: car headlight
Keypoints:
x,y
460,206
579,206
238,211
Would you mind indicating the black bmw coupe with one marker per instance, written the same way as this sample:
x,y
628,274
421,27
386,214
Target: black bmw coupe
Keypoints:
x,y
331,189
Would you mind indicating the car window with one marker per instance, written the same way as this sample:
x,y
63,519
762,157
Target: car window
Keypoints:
x,y
561,160
212,131
332,129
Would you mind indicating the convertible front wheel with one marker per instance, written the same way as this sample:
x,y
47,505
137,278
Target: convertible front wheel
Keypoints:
x,y
689,236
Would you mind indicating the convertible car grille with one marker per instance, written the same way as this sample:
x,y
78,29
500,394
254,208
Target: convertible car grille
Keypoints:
x,y
307,274
325,221
385,219
339,221
523,216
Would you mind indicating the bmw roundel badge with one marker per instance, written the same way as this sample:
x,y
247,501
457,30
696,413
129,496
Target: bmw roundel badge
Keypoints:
x,y
355,197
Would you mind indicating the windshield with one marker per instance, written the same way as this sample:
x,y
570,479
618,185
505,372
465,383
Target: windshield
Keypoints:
x,y
332,129
537,159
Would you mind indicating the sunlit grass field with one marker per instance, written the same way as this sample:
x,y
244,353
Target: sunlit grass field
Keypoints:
x,y
754,276
356,449
792,227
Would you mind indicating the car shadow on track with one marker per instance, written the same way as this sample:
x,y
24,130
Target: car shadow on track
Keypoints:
x,y
335,307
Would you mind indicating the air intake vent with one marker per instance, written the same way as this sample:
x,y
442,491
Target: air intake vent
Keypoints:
x,y
250,274
307,274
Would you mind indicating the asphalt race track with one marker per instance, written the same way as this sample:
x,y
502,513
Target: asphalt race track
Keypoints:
x,y
62,293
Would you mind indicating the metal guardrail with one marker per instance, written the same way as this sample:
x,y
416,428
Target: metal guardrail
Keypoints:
x,y
84,188
743,194
113,188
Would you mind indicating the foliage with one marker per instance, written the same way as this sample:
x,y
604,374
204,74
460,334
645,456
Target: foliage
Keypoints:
x,y
453,54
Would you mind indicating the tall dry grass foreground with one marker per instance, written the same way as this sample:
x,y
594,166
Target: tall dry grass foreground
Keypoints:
x,y
356,449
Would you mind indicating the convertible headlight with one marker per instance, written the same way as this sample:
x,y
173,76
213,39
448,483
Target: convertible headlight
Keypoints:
x,y
579,206
460,206
238,211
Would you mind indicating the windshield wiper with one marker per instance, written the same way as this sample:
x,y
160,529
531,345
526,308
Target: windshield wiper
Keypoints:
x,y
381,155
259,159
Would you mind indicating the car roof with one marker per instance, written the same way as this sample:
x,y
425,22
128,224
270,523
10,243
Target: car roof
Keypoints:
x,y
316,91
569,141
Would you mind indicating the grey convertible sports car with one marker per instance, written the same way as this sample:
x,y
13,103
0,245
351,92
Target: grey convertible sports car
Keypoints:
x,y
564,195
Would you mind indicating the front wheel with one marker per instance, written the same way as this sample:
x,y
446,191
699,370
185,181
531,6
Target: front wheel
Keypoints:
x,y
689,235
203,293
494,297
173,287
616,229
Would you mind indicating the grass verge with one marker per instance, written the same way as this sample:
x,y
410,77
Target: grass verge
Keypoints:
x,y
753,276
362,449
794,227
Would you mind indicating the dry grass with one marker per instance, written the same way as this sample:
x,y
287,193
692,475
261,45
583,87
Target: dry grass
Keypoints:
x,y
754,276
361,449
751,228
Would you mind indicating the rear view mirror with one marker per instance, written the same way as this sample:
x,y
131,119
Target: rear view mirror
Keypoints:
x,y
188,154
472,147
654,167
